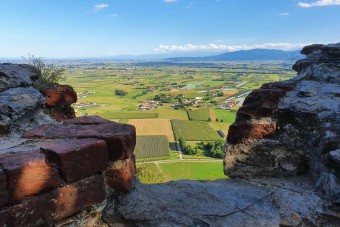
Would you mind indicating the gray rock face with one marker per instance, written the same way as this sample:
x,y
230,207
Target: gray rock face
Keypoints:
x,y
198,203
322,63
17,102
320,98
21,105
16,75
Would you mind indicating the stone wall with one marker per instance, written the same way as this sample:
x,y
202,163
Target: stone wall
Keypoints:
x,y
292,128
56,173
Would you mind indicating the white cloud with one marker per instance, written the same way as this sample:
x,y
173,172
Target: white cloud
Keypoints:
x,y
113,15
100,6
319,3
284,14
220,47
169,1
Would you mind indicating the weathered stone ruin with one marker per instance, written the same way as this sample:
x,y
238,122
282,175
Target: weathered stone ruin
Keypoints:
x,y
292,128
282,155
50,171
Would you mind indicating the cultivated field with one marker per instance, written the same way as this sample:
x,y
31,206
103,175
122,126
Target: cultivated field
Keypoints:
x,y
153,127
152,147
167,113
199,114
194,130
225,115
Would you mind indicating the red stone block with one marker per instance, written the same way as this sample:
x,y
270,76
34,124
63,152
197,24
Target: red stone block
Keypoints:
x,y
120,138
28,174
43,209
3,189
120,174
60,95
87,120
243,132
77,158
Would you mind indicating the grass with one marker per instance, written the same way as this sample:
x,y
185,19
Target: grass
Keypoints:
x,y
174,155
151,147
225,115
192,170
148,173
153,127
194,130
186,156
199,114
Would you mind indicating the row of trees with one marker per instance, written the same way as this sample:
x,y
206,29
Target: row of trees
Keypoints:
x,y
120,92
212,149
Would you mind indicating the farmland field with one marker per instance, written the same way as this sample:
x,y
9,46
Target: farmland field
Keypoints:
x,y
152,173
225,115
167,113
194,130
152,147
199,114
193,170
153,127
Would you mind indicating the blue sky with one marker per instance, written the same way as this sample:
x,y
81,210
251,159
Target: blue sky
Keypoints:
x,y
93,28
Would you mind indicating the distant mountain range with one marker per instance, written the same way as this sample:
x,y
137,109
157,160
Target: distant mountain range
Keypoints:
x,y
242,55
188,57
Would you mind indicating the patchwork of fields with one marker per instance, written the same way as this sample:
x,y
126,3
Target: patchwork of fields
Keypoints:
x,y
210,85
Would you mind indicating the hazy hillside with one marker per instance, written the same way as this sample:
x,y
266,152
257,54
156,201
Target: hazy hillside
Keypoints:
x,y
255,54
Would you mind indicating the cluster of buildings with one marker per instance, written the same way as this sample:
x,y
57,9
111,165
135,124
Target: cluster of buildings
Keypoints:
x,y
149,105
84,104
187,102
227,104
83,94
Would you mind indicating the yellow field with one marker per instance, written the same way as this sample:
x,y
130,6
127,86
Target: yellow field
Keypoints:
x,y
229,92
153,127
212,114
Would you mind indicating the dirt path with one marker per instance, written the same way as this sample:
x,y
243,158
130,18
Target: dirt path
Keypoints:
x,y
212,114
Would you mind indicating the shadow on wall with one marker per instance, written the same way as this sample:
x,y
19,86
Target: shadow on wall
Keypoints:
x,y
37,193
